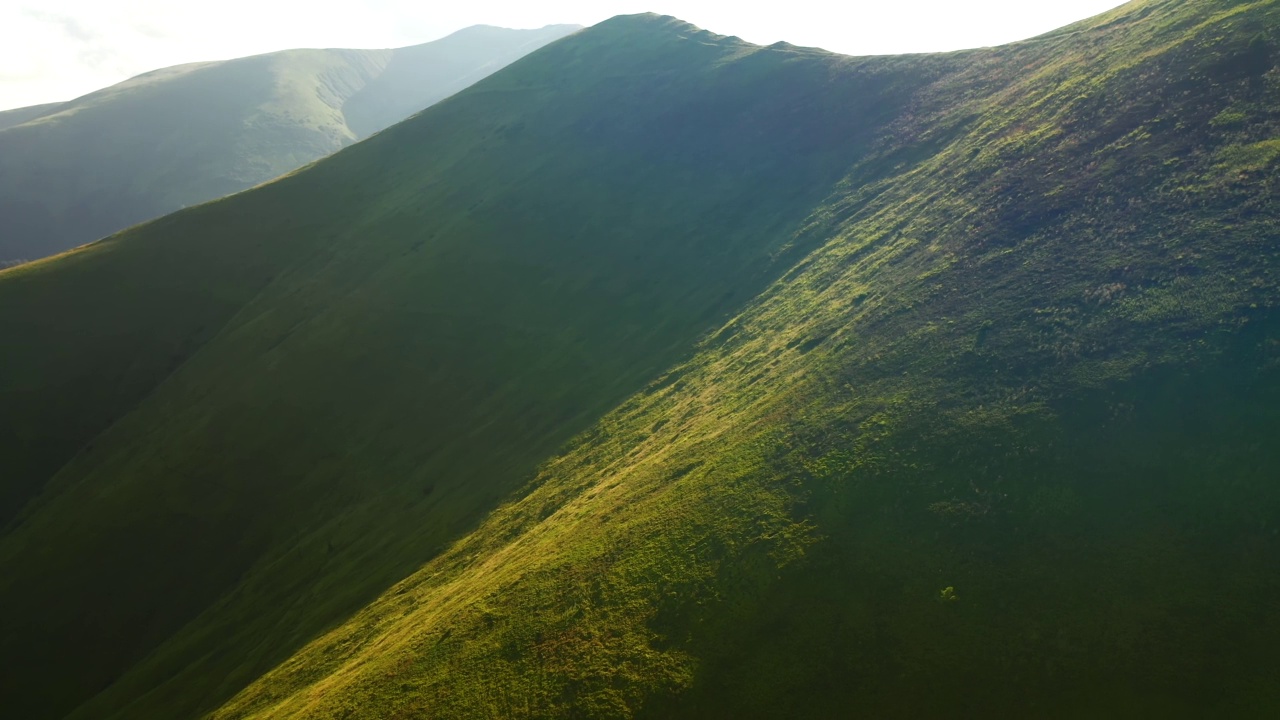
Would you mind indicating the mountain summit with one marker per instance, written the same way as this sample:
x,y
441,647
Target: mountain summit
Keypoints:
x,y
665,375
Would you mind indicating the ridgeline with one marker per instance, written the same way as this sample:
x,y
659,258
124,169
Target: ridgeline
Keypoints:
x,y
665,375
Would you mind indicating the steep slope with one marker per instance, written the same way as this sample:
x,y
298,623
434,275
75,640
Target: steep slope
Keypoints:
x,y
1004,446
899,387
245,420
180,136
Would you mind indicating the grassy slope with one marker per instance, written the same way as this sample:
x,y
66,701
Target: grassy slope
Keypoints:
x,y
18,116
314,387
1038,364
184,135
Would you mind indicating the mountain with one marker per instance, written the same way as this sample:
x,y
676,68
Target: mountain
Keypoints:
x,y
18,116
665,375
71,173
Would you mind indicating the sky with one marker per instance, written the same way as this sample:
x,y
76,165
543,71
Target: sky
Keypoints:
x,y
52,50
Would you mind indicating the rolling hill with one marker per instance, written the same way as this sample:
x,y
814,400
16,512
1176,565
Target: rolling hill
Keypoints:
x,y
665,375
74,172
18,116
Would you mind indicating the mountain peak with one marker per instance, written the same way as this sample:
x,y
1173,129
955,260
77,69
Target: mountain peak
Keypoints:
x,y
472,32
660,376
651,22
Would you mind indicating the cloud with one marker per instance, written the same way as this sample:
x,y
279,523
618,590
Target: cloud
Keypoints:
x,y
72,27
95,51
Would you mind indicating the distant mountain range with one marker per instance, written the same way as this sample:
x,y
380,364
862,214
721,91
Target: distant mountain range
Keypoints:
x,y
74,172
664,375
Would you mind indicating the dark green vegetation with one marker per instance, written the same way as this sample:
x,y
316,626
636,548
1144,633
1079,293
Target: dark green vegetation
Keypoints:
x,y
665,375
73,172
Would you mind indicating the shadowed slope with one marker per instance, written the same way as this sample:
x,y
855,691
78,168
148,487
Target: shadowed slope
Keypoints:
x,y
179,136
1003,446
326,380
902,387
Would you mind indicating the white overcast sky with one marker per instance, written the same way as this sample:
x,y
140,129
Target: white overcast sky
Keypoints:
x,y
58,49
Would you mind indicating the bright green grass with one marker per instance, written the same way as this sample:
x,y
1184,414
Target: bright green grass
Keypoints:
x,y
1061,406
172,138
344,387
995,321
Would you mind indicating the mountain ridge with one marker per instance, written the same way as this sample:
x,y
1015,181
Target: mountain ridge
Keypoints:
x,y
398,202
979,420
173,137
599,659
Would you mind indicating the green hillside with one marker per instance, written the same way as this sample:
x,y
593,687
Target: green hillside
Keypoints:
x,y
665,375
74,172
18,116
